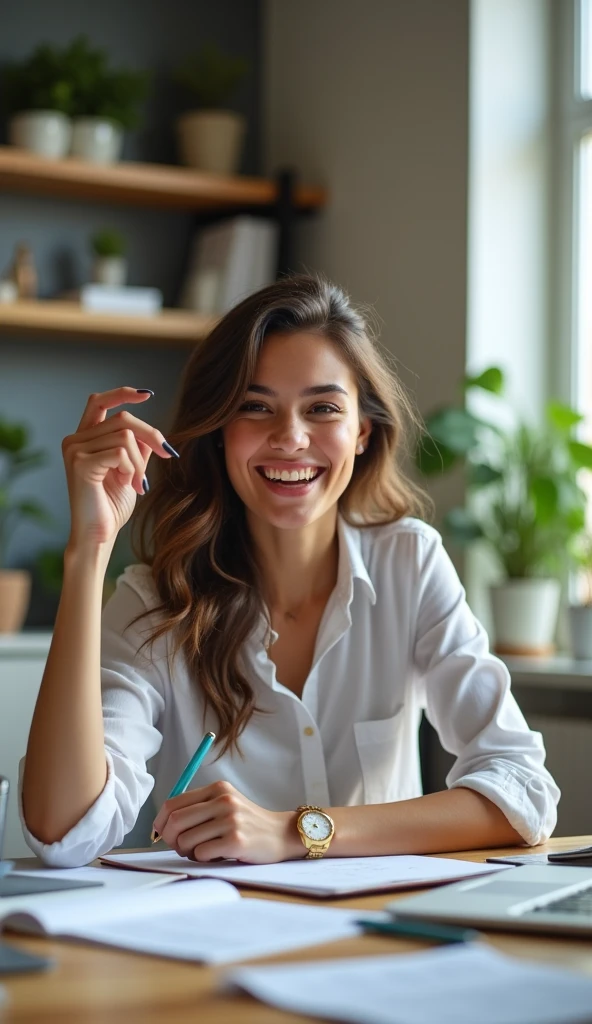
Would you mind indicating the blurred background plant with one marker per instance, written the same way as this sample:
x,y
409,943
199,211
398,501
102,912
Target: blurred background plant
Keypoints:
x,y
211,76
17,457
107,242
101,91
46,80
524,495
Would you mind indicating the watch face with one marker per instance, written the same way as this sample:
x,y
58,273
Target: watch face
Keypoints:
x,y
316,825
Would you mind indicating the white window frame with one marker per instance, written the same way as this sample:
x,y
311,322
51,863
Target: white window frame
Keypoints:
x,y
573,121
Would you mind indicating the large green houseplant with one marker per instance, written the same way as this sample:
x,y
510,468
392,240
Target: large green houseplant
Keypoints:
x,y
524,500
17,457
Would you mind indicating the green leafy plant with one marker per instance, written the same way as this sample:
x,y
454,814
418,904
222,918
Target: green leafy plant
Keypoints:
x,y
107,242
105,92
524,497
75,80
211,76
43,81
16,458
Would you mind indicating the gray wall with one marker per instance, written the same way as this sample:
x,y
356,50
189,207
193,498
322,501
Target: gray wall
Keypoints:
x,y
373,100
45,381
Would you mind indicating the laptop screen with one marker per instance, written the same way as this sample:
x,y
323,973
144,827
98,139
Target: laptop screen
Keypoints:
x,y
4,787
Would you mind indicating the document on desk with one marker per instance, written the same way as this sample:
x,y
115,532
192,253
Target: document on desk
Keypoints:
x,y
204,920
331,876
452,985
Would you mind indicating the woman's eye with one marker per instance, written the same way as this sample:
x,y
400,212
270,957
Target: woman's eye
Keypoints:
x,y
325,407
253,407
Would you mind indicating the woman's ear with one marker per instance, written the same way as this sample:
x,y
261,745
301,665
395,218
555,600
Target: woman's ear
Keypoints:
x,y
363,435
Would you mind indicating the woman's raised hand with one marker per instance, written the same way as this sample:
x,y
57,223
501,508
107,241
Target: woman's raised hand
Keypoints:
x,y
106,463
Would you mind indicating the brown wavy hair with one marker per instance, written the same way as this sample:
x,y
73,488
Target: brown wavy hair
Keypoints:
x,y
191,528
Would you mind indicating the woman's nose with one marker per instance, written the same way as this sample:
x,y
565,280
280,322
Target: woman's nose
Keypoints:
x,y
289,434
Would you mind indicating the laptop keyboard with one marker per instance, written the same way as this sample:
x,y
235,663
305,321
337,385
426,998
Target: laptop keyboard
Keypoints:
x,y
576,903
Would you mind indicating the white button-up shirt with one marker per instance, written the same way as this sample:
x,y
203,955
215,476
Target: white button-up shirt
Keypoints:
x,y
396,637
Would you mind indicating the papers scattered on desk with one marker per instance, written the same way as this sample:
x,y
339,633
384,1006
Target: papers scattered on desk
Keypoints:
x,y
204,920
331,876
455,985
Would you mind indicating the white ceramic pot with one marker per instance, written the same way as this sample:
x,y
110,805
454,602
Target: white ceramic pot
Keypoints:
x,y
15,592
211,140
580,630
525,615
45,132
110,270
97,140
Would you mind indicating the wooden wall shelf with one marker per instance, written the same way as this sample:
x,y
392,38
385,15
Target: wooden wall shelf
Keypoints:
x,y
175,327
140,184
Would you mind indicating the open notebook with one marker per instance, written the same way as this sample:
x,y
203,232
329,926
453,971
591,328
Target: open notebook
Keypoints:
x,y
205,920
331,876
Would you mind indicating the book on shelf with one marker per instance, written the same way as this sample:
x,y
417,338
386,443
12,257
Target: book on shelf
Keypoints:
x,y
229,261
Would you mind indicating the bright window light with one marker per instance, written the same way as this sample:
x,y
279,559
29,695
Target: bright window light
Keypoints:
x,y
586,48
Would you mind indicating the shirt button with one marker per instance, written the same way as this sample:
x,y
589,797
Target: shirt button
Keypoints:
x,y
309,731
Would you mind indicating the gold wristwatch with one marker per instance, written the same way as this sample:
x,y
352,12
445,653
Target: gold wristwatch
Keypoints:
x,y
316,830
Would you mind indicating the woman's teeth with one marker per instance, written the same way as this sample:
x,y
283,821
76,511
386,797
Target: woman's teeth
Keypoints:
x,y
291,476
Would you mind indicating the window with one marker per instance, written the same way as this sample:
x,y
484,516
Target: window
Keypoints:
x,y
576,147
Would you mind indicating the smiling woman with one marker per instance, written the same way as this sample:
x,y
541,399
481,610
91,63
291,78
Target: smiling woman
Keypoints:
x,y
290,599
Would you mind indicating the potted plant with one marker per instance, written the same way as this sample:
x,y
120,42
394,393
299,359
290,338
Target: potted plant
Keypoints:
x,y
523,499
110,264
210,137
105,102
580,612
16,458
37,95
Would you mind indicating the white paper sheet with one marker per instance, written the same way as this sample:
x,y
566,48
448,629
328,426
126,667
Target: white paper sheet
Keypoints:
x,y
331,876
65,913
452,985
228,932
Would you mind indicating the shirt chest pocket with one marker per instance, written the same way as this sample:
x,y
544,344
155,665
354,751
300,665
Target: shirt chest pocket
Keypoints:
x,y
379,749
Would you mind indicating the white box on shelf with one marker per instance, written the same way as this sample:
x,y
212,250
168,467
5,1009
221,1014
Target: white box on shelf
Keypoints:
x,y
102,298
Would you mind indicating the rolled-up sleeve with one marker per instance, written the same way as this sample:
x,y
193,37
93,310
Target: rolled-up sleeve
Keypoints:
x,y
132,683
470,704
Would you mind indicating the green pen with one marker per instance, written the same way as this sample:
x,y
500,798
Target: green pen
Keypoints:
x,y
420,930
188,773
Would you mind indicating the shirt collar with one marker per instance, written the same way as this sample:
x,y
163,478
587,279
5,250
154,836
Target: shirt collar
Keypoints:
x,y
351,567
351,562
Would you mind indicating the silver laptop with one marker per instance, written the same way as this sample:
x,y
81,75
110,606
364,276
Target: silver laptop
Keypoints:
x,y
541,898
5,865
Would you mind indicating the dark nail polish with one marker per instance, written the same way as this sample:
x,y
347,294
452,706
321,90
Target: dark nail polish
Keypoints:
x,y
169,448
145,485
145,391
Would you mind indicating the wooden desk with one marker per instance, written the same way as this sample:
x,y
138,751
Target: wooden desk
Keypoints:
x,y
94,985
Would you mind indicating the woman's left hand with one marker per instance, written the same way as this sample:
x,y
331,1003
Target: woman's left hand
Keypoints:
x,y
218,821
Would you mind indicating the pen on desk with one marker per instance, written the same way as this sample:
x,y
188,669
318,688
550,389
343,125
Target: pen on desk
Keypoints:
x,y
420,930
187,774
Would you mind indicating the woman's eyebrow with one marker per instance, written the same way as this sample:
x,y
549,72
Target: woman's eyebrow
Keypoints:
x,y
317,389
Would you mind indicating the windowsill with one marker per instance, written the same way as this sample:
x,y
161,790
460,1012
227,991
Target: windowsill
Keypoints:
x,y
560,670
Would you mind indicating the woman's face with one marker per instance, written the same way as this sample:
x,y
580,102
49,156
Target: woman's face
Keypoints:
x,y
291,447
